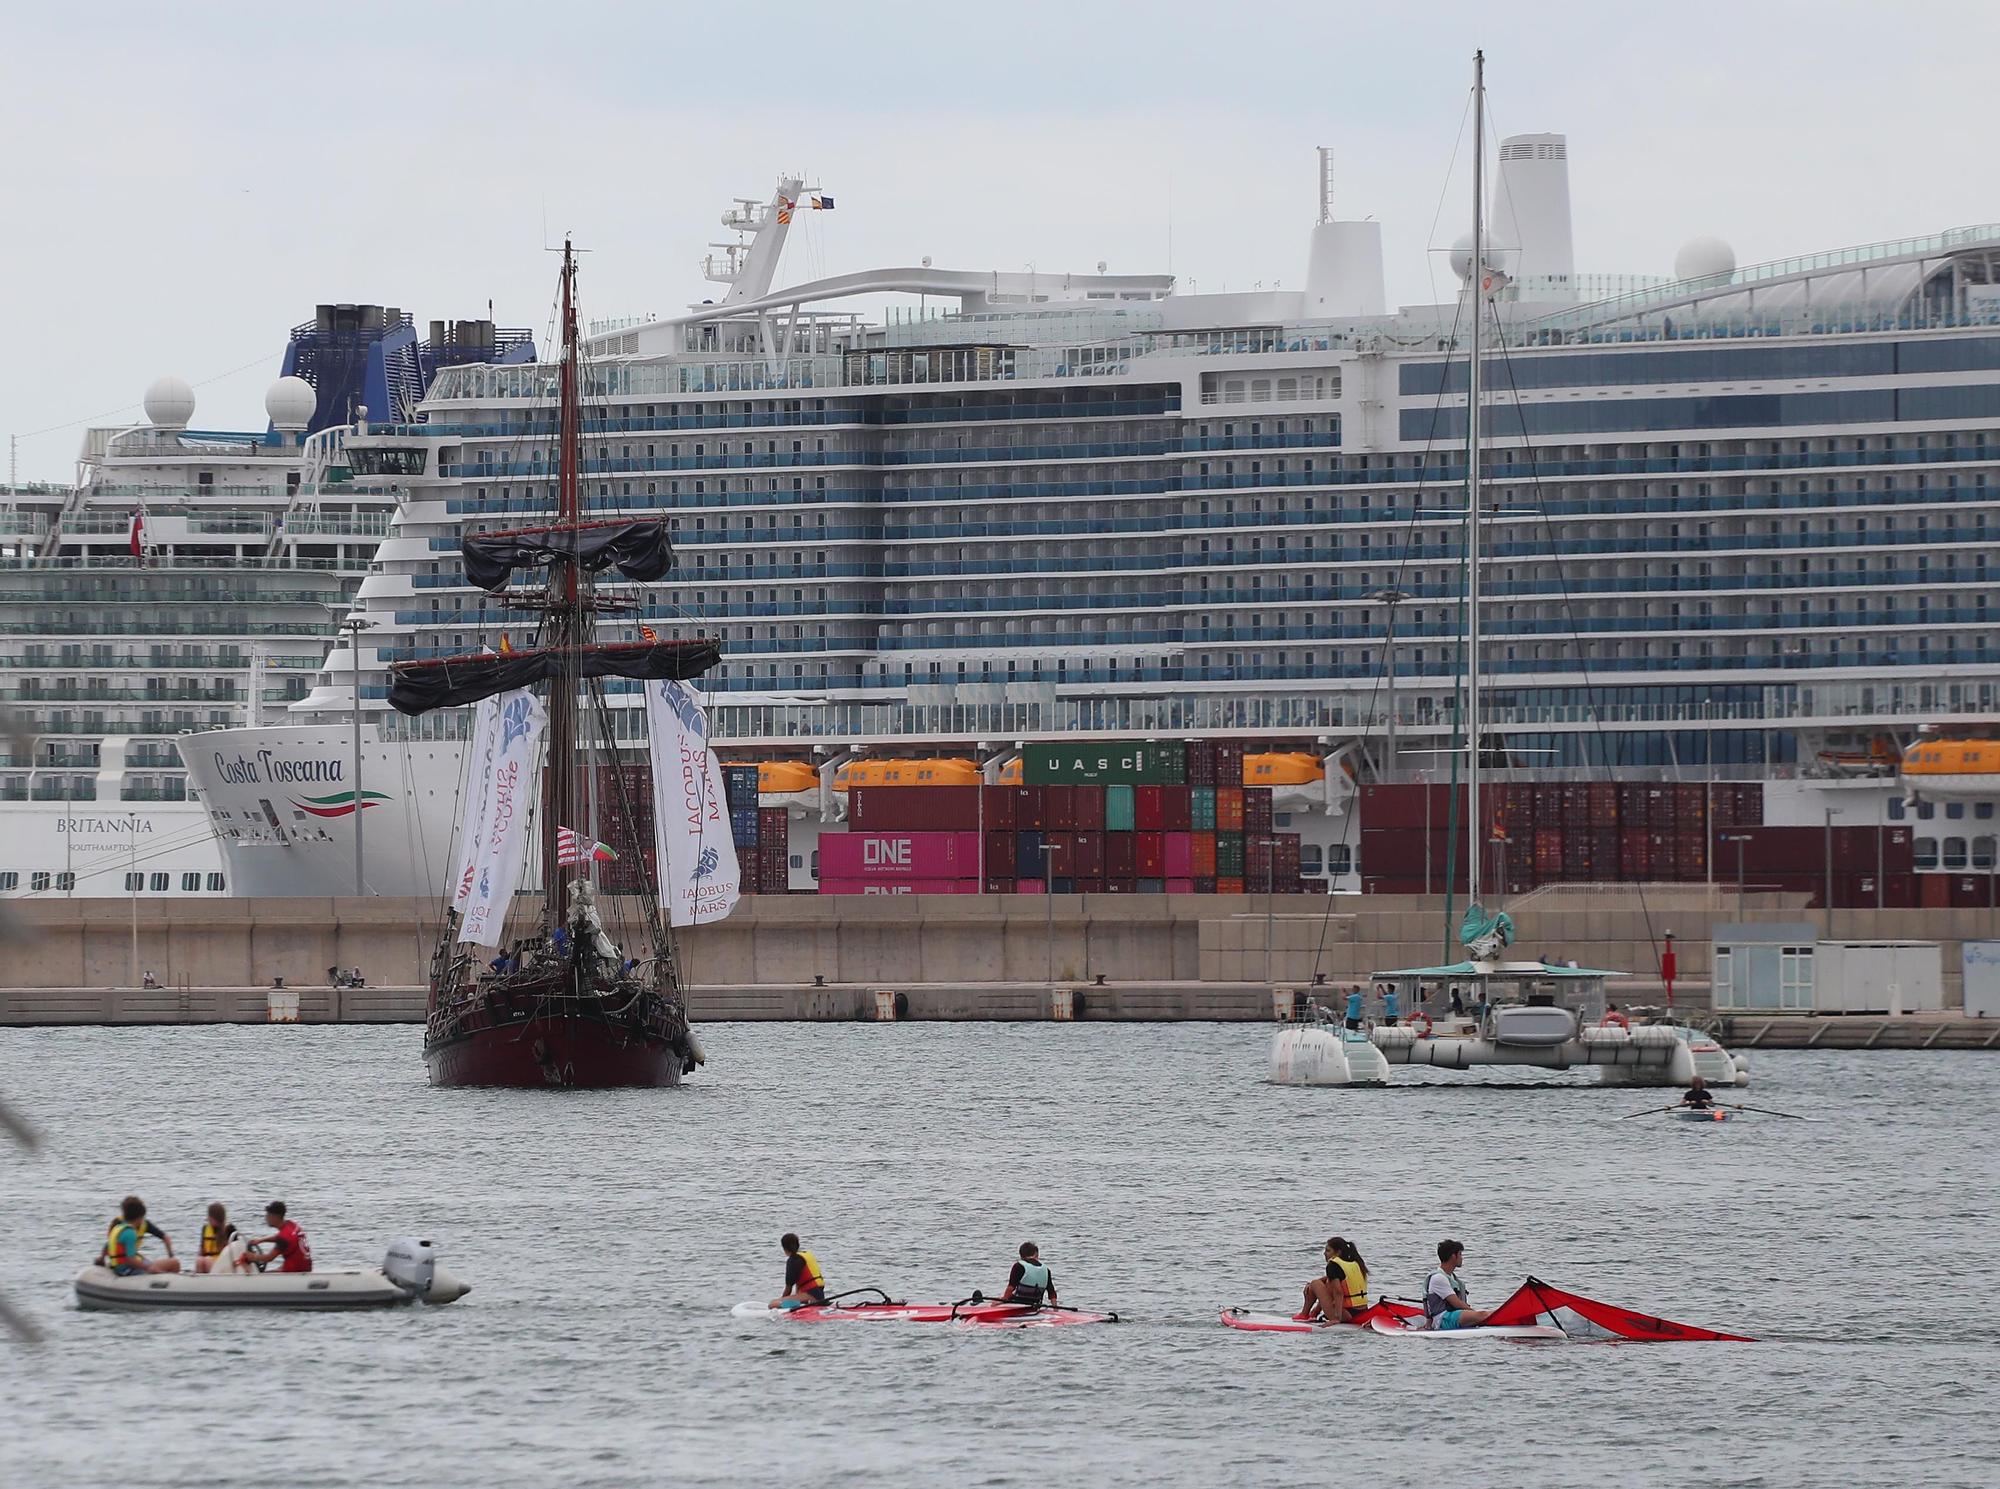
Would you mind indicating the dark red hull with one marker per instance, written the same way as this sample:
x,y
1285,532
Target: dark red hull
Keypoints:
x,y
576,1053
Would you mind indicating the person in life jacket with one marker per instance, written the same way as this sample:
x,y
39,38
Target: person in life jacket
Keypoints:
x,y
805,1283
216,1233
1698,1094
1030,1281
126,1234
286,1243
1343,1291
1445,1305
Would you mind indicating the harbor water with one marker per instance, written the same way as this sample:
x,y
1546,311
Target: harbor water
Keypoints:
x,y
607,1235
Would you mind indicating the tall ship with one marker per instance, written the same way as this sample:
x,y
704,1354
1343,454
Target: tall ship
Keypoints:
x,y
189,579
1741,538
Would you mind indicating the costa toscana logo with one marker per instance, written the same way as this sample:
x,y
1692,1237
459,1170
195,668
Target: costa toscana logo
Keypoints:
x,y
267,768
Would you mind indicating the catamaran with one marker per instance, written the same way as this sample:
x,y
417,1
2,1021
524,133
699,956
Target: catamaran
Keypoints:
x,y
589,993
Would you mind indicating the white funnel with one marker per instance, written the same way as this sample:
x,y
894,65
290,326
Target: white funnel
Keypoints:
x,y
1344,267
1531,214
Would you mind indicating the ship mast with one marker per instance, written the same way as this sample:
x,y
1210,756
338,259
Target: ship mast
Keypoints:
x,y
566,624
1476,284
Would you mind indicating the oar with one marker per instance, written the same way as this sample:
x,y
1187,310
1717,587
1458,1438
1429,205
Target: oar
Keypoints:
x,y
1651,1111
1765,1111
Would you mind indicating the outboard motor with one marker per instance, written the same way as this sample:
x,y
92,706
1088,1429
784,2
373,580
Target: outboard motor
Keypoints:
x,y
412,1265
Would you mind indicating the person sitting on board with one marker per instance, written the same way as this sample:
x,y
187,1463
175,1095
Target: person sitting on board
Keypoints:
x,y
1327,1296
126,1234
1030,1281
805,1283
216,1234
286,1243
1698,1094
1445,1305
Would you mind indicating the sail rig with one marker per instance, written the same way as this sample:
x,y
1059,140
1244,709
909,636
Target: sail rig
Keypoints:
x,y
588,992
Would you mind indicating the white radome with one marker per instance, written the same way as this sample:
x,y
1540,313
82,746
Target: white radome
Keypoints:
x,y
290,402
1704,258
1498,256
169,403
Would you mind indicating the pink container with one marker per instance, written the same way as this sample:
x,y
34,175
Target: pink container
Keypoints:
x,y
899,855
899,886
1180,886
1180,856
1029,886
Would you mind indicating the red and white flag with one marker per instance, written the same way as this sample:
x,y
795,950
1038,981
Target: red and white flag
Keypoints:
x,y
138,533
576,847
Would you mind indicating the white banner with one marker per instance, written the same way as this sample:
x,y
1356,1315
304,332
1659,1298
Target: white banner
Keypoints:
x,y
510,795
473,813
699,878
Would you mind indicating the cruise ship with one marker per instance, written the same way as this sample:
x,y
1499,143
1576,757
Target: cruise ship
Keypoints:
x,y
1743,528
186,580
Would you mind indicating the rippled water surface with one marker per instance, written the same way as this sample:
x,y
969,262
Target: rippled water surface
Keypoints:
x,y
607,1236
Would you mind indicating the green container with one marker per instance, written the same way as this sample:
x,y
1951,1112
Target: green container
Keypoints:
x,y
1128,763
1201,808
1118,813
1229,855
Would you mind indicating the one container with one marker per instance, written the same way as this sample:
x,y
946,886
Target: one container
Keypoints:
x,y
907,855
898,886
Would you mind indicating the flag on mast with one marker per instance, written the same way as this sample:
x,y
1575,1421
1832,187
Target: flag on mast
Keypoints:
x,y
577,847
139,533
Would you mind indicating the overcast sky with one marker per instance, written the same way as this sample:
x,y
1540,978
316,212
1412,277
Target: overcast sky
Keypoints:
x,y
183,184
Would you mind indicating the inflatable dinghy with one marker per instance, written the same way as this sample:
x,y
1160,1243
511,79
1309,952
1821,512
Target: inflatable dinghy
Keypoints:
x,y
408,1274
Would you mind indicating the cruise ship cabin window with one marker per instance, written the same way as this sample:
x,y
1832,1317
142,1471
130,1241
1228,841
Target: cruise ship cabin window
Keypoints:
x,y
158,883
134,883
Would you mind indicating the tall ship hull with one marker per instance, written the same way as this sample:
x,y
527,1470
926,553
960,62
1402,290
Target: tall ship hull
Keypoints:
x,y
515,1043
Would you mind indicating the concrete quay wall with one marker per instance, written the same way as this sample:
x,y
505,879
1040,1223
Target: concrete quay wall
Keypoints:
x,y
942,941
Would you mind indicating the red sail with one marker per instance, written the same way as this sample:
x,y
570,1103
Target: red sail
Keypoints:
x,y
1535,1297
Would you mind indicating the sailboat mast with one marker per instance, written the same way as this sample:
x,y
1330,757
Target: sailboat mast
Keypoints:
x,y
1475,834
564,613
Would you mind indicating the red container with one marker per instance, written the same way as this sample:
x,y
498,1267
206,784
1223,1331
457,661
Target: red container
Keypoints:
x,y
1256,808
911,809
899,886
1121,886
1179,857
1201,762
1088,808
1150,854
999,884
1085,858
1059,808
1973,891
1149,812
1176,808
899,855
1229,886
1000,854
1201,855
1180,886
1028,809
1228,764
1229,807
1029,886
1121,855
1935,891
997,802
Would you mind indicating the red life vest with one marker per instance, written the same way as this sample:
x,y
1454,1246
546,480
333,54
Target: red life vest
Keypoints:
x,y
292,1243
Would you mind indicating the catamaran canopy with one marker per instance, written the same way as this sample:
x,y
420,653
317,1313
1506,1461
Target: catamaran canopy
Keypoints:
x,y
639,549
422,686
1500,971
1534,1298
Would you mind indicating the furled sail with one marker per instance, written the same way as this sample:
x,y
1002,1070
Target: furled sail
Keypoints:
x,y
422,686
1534,1298
639,549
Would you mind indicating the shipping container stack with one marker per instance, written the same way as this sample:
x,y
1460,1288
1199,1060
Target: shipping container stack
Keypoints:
x,y
1585,832
1090,819
761,834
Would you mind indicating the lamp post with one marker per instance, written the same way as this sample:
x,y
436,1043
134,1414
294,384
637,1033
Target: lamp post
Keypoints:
x,y
352,626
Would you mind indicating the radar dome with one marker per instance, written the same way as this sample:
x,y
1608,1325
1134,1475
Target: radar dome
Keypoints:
x,y
290,402
169,403
1461,255
1704,258
1498,256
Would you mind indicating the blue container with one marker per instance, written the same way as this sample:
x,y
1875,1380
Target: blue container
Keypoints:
x,y
743,826
1028,855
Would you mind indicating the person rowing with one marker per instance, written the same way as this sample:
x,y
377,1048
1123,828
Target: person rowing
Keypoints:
x,y
1698,1094
805,1283
1029,1281
1445,1302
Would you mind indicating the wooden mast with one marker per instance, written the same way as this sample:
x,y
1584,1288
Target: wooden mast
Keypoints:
x,y
565,613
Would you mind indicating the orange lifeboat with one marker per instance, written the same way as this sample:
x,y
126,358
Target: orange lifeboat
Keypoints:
x,y
1940,764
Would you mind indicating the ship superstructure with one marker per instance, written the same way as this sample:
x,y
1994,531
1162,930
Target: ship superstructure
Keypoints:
x,y
1740,518
188,580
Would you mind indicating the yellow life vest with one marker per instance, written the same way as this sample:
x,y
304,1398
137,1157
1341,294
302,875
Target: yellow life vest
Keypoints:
x,y
812,1278
211,1237
113,1257
1355,1282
